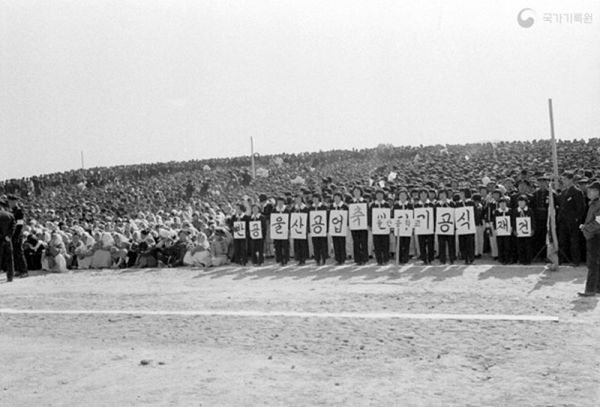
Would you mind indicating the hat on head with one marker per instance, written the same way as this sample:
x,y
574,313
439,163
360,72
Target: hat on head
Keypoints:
x,y
594,185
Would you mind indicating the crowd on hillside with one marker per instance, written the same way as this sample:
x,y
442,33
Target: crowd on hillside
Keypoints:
x,y
184,213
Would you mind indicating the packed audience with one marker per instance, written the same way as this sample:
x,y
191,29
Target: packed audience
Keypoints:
x,y
179,214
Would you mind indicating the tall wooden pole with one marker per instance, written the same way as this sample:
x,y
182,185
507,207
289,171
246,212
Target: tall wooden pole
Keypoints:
x,y
554,155
551,236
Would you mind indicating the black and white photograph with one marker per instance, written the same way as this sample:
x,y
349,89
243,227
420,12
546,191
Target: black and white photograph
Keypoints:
x,y
298,203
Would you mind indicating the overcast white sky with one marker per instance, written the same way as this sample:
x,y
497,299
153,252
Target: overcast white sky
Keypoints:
x,y
145,81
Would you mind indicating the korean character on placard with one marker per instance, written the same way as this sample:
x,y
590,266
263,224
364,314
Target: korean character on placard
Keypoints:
x,y
587,18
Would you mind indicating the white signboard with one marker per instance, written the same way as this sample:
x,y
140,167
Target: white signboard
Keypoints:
x,y
403,222
280,226
444,221
358,216
503,226
298,223
338,223
239,230
523,226
424,222
381,221
318,223
256,229
465,220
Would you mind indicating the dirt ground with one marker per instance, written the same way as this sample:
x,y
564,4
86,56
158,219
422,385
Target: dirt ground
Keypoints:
x,y
222,360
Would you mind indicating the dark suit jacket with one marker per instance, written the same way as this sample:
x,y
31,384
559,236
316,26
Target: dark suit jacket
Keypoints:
x,y
7,224
572,205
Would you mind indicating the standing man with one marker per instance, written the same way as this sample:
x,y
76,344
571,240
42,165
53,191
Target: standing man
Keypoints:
x,y
591,231
7,230
570,214
320,243
381,243
19,262
360,238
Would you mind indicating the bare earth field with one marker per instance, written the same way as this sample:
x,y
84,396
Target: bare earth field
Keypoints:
x,y
86,359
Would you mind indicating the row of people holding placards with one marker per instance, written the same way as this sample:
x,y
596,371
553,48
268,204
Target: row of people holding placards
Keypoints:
x,y
427,220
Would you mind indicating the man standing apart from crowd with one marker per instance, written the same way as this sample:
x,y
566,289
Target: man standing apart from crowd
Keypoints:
x,y
7,229
19,262
591,231
571,212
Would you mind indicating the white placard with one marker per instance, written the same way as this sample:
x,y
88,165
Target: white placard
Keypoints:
x,y
503,226
423,220
381,221
358,216
403,222
444,221
239,230
256,229
318,223
280,226
465,220
298,223
338,223
523,226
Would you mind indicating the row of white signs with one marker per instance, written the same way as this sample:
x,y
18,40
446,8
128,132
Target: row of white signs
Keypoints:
x,y
448,221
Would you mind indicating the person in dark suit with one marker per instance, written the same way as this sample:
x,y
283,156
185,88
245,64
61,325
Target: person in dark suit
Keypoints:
x,y
426,242
381,243
403,204
360,238
570,214
300,245
282,246
257,246
320,242
591,231
466,243
524,244
7,230
17,241
339,242
240,246
446,241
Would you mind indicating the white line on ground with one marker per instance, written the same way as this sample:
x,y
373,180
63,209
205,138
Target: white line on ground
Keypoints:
x,y
384,315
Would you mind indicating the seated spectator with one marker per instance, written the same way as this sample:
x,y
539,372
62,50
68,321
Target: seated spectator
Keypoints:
x,y
56,255
221,247
102,259
198,255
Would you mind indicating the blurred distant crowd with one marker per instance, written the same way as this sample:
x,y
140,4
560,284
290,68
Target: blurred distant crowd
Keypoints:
x,y
183,213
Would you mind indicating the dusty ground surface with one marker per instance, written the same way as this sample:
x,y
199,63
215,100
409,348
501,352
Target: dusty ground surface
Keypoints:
x,y
94,360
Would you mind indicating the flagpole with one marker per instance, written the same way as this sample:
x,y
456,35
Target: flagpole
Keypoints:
x,y
551,237
252,155
554,154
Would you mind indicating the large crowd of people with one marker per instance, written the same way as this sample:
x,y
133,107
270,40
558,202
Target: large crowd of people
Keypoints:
x,y
213,212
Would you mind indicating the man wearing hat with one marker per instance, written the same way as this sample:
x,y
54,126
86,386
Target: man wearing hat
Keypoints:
x,y
17,241
7,230
591,231
570,214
